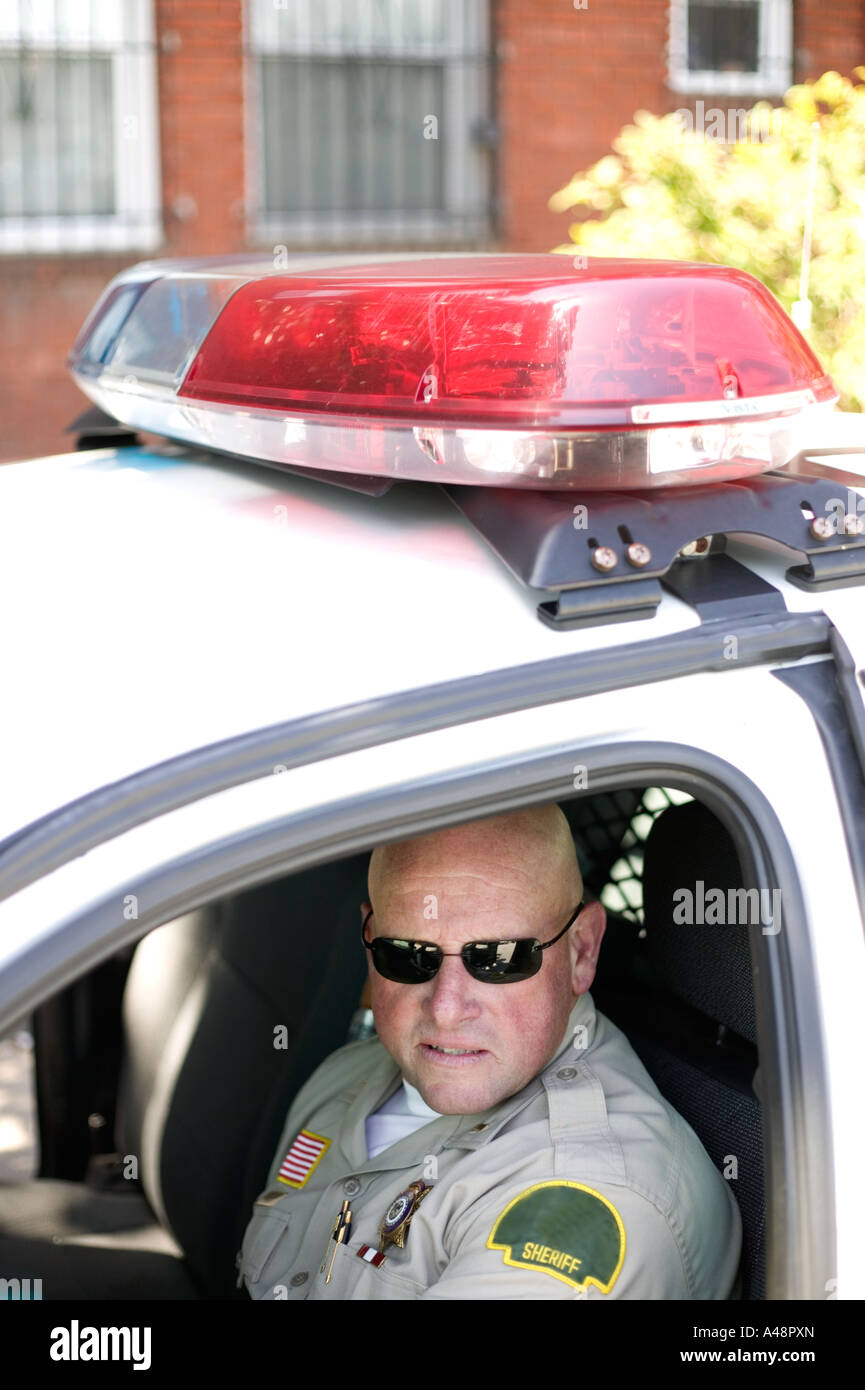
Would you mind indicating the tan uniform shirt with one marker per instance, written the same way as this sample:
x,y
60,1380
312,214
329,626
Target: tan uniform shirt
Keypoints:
x,y
585,1184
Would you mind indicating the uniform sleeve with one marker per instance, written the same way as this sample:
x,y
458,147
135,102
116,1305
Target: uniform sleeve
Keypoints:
x,y
566,1240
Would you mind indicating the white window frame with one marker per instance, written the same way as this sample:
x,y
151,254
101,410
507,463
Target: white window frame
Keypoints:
x,y
136,223
775,72
371,227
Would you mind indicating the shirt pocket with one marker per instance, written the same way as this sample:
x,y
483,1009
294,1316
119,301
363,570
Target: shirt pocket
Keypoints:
x,y
355,1278
264,1235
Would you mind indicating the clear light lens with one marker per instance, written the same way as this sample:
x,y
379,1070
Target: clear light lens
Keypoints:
x,y
149,325
158,341
589,461
756,447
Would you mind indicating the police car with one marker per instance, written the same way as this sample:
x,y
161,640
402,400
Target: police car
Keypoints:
x,y
412,543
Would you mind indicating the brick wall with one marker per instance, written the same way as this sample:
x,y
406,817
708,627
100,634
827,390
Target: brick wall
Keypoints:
x,y
569,79
828,37
201,125
43,303
45,299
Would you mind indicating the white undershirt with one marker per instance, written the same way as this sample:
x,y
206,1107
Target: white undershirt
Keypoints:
x,y
405,1112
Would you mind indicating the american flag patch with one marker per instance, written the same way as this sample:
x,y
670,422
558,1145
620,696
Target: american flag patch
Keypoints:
x,y
302,1158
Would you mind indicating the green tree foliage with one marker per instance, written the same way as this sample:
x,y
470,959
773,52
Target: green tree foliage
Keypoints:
x,y
735,192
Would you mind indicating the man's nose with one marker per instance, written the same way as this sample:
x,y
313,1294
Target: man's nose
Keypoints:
x,y
454,994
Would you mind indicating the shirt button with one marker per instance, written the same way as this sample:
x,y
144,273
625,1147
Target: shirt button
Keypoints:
x,y
566,1073
298,1279
475,1128
351,1186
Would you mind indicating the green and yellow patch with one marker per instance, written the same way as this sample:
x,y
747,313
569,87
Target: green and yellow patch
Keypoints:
x,y
565,1229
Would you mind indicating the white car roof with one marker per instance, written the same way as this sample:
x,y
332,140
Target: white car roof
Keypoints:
x,y
159,600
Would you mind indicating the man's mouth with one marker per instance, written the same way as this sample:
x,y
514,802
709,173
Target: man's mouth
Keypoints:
x,y
452,1056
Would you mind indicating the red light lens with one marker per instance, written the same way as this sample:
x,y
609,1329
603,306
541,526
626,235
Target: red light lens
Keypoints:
x,y
517,341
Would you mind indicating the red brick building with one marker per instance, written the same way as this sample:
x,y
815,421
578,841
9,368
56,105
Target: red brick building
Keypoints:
x,y
139,128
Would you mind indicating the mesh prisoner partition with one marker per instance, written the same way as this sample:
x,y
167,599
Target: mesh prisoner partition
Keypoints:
x,y
609,832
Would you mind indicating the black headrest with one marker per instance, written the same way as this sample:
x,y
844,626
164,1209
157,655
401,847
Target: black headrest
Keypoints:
x,y
707,965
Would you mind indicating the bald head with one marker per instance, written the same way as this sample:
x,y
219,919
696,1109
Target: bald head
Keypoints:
x,y
528,854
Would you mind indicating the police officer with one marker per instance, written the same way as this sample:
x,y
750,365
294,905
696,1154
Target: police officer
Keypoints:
x,y
499,1138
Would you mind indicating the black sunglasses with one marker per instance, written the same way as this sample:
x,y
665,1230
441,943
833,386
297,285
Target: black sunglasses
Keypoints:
x,y
493,962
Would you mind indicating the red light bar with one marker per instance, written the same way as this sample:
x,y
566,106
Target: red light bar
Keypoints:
x,y
538,344
517,369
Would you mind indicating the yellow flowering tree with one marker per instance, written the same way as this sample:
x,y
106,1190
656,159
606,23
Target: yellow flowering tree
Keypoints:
x,y
734,190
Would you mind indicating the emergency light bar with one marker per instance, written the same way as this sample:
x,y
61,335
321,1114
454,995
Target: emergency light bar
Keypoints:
x,y
518,371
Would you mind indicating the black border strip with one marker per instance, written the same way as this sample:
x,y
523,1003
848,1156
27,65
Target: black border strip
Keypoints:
x,y
44,845
840,721
850,692
801,1212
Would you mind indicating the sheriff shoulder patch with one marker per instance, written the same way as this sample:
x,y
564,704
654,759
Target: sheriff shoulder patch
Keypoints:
x,y
305,1153
565,1229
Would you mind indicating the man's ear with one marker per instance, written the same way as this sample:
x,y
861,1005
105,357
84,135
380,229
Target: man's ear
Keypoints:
x,y
366,998
585,939
364,909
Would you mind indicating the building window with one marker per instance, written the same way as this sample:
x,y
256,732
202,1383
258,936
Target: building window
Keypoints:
x,y
735,47
79,166
369,121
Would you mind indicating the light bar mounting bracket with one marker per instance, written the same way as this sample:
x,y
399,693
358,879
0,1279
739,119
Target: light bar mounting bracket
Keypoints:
x,y
557,541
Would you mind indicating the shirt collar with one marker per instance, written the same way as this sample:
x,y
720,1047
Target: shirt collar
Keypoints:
x,y
476,1130
416,1103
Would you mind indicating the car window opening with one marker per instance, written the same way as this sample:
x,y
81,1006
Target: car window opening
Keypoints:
x,y
674,974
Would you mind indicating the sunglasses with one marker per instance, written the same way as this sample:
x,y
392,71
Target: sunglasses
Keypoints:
x,y
492,962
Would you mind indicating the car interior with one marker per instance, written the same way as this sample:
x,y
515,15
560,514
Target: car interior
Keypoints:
x,y
159,1110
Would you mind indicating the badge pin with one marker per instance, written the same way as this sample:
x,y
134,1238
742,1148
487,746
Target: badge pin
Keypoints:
x,y
397,1219
395,1223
